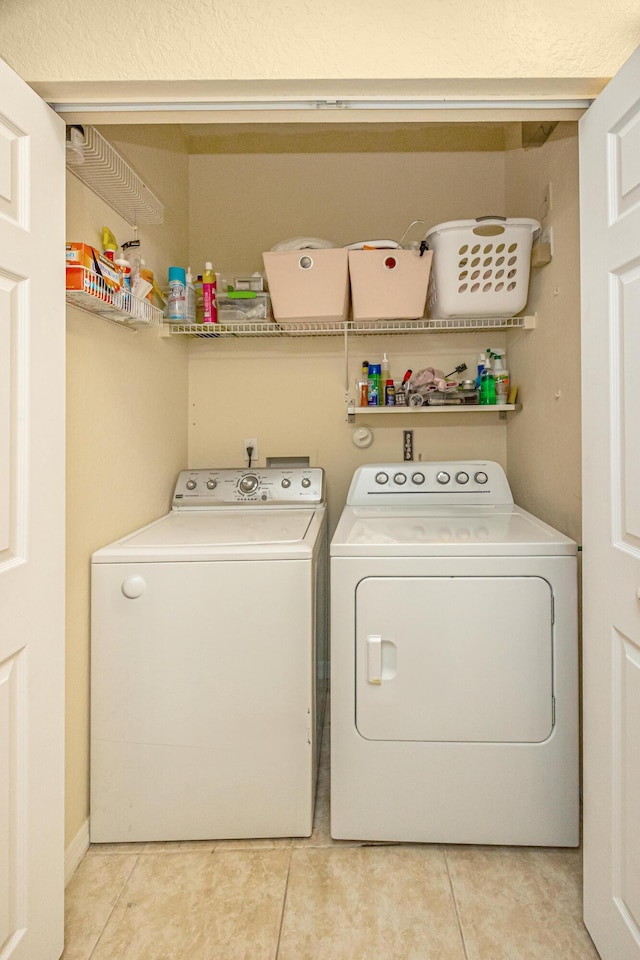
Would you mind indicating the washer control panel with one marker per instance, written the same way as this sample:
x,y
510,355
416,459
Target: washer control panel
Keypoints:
x,y
444,482
202,488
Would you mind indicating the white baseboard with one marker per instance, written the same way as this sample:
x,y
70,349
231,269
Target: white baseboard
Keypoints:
x,y
75,852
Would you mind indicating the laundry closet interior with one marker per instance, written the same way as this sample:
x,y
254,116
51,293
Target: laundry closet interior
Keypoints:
x,y
143,405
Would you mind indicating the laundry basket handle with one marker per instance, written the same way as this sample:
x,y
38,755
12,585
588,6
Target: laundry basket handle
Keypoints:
x,y
490,226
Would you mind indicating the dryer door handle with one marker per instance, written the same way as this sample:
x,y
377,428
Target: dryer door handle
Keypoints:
x,y
374,660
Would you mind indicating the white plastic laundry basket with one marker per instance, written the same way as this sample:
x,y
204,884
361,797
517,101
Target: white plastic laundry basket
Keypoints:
x,y
480,267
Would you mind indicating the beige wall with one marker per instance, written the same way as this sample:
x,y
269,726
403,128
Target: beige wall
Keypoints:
x,y
544,440
290,394
126,436
239,39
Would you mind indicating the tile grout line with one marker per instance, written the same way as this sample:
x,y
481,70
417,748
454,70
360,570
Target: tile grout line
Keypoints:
x,y
111,912
455,904
284,905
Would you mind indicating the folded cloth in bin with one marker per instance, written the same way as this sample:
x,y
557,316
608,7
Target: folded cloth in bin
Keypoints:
x,y
304,243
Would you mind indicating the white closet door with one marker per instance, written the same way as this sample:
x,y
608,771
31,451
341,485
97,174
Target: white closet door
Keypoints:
x,y
610,242
32,354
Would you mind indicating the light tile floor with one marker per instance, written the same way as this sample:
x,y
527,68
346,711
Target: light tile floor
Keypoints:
x,y
321,899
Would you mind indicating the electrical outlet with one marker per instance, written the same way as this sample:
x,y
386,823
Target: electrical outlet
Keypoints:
x,y
407,444
252,460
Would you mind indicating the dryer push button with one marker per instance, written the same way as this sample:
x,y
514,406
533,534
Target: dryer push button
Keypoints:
x,y
382,477
462,477
443,477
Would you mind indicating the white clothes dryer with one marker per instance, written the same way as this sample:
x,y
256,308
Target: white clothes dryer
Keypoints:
x,y
208,673
454,665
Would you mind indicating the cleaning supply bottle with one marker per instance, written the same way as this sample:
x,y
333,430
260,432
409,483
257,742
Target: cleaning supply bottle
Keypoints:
x,y
209,305
384,370
124,268
487,383
373,393
177,303
109,244
131,250
364,384
501,377
482,359
191,297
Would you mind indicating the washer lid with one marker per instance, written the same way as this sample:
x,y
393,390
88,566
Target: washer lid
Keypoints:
x,y
501,530
233,534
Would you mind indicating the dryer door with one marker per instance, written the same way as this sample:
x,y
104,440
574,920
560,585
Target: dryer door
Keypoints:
x,y
466,659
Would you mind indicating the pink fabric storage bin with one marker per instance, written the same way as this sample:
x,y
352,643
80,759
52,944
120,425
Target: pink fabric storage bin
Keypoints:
x,y
308,285
389,284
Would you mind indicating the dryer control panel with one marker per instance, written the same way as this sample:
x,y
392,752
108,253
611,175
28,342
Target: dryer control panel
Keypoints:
x,y
429,482
227,487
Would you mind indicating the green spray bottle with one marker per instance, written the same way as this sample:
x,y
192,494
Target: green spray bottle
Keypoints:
x,y
487,383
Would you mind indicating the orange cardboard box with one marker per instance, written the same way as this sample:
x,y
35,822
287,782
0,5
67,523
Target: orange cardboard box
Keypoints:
x,y
81,256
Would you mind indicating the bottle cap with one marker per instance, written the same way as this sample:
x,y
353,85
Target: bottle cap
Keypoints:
x,y
177,273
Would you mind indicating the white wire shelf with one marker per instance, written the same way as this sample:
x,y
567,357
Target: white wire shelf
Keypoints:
x,y
96,296
99,165
437,408
353,327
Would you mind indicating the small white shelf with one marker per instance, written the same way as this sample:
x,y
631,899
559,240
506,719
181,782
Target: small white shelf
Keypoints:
x,y
436,408
303,328
118,306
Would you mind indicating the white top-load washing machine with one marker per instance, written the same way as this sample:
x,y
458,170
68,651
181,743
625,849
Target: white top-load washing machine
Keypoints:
x,y
208,662
454,673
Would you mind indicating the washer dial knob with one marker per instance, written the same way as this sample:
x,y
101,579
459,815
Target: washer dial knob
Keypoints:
x,y
306,482
480,477
192,484
417,478
462,477
248,483
286,483
212,484
382,477
443,477
400,478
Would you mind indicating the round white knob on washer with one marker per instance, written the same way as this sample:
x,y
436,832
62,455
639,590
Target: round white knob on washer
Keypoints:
x,y
306,482
417,478
212,484
192,484
133,587
462,477
400,478
285,483
382,477
481,477
443,477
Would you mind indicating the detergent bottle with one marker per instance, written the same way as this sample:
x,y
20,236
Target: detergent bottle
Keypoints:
x,y
209,305
191,297
487,383
501,377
